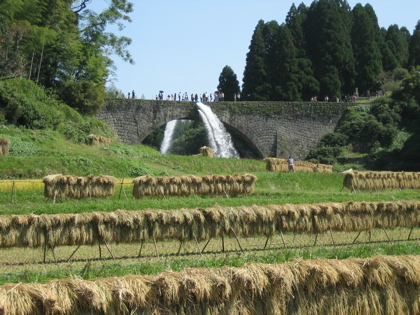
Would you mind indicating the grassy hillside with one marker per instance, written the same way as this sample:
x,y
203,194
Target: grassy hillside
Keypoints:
x,y
35,154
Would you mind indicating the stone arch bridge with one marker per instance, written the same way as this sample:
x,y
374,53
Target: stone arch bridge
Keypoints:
x,y
258,129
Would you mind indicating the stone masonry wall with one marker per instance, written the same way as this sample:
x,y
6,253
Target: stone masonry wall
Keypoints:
x,y
287,132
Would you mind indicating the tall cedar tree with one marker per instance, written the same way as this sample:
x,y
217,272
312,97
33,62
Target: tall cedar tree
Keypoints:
x,y
254,73
272,61
294,21
367,56
287,86
389,62
327,30
307,84
414,48
396,40
228,83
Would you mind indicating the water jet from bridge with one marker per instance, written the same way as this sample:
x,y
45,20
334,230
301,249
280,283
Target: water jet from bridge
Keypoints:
x,y
219,138
167,136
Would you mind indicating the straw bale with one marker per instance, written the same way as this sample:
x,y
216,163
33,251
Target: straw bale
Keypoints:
x,y
68,186
206,151
99,140
281,165
167,284
377,285
15,299
187,185
251,278
4,146
131,290
124,226
370,180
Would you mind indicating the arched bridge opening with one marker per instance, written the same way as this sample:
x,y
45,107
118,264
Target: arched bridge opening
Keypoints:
x,y
242,144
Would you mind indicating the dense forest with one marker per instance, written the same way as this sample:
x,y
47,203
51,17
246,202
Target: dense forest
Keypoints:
x,y
327,50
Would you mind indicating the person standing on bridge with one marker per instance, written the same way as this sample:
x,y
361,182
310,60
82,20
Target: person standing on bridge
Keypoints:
x,y
291,163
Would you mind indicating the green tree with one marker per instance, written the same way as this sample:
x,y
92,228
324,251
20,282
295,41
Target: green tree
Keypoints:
x,y
272,60
46,41
389,62
365,48
189,136
87,97
22,36
414,48
396,40
327,28
285,68
307,84
294,21
228,83
255,73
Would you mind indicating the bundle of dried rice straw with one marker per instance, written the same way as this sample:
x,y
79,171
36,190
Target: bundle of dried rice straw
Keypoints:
x,y
236,184
377,285
75,187
280,165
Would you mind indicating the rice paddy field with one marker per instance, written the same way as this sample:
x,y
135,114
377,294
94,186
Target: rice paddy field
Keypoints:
x,y
300,243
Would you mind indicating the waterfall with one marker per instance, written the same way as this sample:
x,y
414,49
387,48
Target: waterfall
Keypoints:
x,y
219,138
167,137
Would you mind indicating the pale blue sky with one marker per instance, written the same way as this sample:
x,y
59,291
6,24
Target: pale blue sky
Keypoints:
x,y
183,45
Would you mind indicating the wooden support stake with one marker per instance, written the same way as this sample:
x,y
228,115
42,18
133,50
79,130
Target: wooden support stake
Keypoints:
x,y
386,233
73,253
141,247
45,252
357,237
316,238
122,181
52,250
206,244
237,239
13,198
266,242
223,244
154,241
409,235
179,249
198,246
282,238
100,251
109,250
332,237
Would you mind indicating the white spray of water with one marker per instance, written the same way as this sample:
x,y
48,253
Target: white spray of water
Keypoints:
x,y
219,138
167,136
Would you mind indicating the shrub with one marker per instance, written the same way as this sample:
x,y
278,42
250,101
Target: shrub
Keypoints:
x,y
325,155
25,104
86,97
333,139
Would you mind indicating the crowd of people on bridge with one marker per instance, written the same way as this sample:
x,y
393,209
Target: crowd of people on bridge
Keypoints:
x,y
217,96
204,97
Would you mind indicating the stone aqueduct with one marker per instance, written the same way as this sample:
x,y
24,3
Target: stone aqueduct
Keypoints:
x,y
258,129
